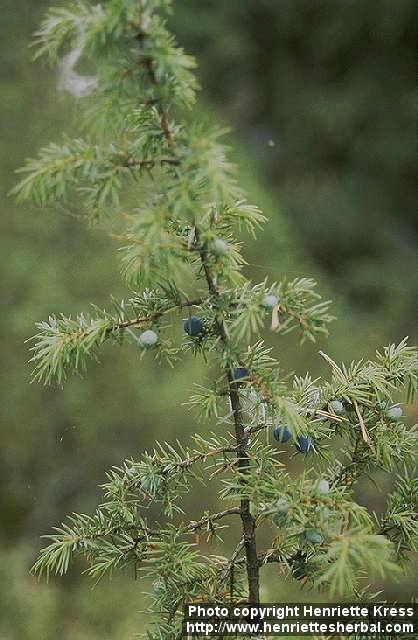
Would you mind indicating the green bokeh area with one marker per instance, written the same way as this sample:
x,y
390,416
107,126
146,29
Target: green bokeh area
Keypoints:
x,y
332,89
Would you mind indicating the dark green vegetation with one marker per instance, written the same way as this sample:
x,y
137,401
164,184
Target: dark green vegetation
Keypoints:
x,y
325,93
58,444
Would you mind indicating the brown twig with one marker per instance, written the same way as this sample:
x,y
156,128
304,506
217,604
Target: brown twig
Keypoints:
x,y
194,525
248,522
364,431
247,519
232,560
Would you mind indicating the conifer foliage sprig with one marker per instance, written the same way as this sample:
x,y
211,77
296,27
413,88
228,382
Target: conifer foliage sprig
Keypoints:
x,y
174,189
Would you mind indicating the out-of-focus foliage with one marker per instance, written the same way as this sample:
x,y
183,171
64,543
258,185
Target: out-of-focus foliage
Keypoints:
x,y
324,94
56,446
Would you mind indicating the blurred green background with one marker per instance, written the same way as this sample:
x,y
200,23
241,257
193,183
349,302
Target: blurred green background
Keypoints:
x,y
320,95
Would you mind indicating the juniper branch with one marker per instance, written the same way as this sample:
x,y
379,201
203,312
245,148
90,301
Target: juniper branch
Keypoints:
x,y
207,520
64,344
248,521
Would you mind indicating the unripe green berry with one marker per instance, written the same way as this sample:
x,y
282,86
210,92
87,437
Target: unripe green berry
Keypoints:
x,y
282,505
158,587
270,301
323,486
220,247
148,338
313,536
394,413
279,516
337,407
322,511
